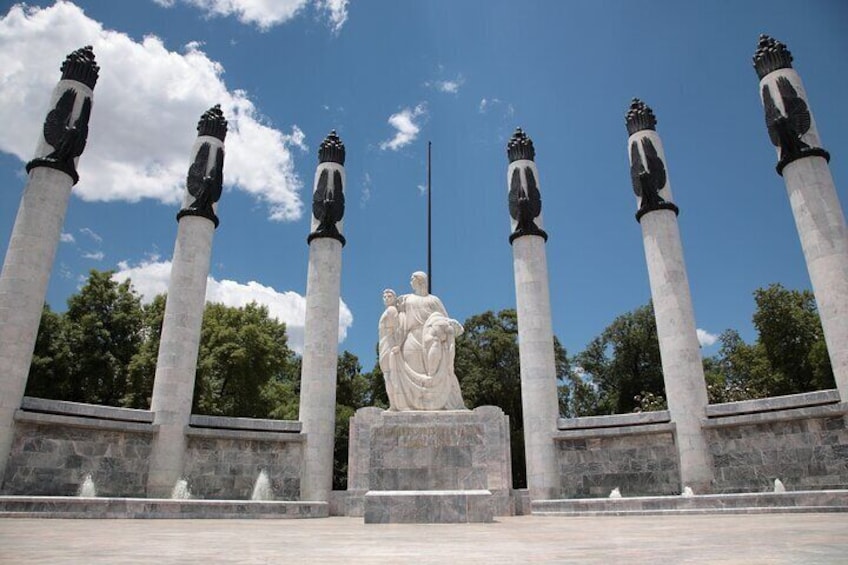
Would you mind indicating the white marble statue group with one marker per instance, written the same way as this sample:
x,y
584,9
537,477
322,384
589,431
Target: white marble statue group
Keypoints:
x,y
417,350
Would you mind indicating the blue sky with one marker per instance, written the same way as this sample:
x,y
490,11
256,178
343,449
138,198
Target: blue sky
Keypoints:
x,y
389,76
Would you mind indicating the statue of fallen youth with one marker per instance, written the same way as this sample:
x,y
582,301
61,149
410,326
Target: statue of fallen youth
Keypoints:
x,y
417,350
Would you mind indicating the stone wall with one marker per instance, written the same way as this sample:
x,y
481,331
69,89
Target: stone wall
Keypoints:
x,y
224,464
53,452
800,439
632,452
56,444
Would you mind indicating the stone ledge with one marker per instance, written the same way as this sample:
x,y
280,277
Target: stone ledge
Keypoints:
x,y
65,408
647,429
76,507
614,420
82,422
250,424
244,435
428,506
826,411
746,503
773,403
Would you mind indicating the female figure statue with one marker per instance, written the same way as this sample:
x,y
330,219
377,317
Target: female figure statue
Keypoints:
x,y
417,350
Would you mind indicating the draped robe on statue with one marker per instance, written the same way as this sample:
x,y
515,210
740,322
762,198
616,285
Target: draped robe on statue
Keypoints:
x,y
417,350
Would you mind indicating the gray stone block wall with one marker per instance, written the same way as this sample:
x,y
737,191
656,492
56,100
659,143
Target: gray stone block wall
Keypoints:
x,y
638,463
226,465
53,458
807,449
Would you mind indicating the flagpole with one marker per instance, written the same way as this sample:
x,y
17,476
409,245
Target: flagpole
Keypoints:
x,y
429,203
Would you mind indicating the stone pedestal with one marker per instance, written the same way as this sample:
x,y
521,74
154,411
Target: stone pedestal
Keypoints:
x,y
434,466
428,506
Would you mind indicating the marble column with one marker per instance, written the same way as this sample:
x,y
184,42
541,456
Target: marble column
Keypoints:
x,y
176,365
38,226
803,163
683,370
539,402
321,331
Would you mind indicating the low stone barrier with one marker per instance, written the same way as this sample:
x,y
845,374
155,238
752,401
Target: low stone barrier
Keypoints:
x,y
632,452
57,444
801,439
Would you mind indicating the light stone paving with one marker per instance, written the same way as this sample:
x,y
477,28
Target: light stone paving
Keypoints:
x,y
750,539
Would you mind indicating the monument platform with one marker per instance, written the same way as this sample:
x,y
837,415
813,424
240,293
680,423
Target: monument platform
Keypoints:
x,y
429,466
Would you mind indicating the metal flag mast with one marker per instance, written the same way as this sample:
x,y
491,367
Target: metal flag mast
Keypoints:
x,y
429,203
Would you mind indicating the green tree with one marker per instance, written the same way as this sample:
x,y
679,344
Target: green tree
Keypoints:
x,y
351,394
103,323
50,372
142,367
624,364
241,351
792,339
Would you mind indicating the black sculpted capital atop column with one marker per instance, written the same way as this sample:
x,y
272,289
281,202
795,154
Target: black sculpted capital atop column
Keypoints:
x,y
205,179
525,200
65,134
648,175
328,200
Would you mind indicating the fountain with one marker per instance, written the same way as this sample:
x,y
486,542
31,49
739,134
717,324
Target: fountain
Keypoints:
x,y
181,491
262,487
615,493
778,486
86,489
687,491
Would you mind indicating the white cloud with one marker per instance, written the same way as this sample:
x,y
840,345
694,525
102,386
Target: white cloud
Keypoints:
x,y
447,86
406,126
94,255
92,234
266,14
146,106
151,278
366,191
67,238
336,11
705,338
490,104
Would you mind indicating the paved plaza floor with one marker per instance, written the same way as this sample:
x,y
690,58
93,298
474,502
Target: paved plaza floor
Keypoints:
x,y
751,538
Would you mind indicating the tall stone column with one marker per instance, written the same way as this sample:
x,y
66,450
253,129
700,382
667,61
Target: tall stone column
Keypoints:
x,y
539,402
321,331
803,163
176,365
683,370
35,236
